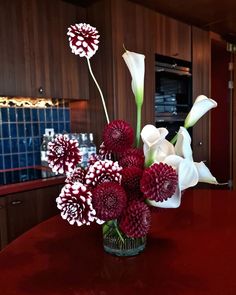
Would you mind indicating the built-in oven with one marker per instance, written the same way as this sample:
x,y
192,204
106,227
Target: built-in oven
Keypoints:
x,y
173,95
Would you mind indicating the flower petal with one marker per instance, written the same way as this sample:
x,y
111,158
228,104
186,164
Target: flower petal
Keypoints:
x,y
173,202
204,173
200,107
183,144
188,174
135,64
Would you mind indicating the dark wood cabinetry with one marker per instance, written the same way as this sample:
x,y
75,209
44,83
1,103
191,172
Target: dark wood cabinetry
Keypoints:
x,y
201,51
21,211
35,56
173,38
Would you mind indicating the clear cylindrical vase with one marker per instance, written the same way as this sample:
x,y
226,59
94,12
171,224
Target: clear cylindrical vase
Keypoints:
x,y
116,243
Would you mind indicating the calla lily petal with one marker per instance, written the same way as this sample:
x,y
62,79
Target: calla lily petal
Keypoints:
x,y
188,174
200,107
173,202
204,173
183,144
156,148
135,64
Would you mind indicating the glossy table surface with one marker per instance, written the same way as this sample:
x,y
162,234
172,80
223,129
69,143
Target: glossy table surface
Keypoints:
x,y
190,250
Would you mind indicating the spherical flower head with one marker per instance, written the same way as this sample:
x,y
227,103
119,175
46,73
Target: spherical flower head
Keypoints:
x,y
118,136
75,203
131,160
109,200
131,177
103,171
159,182
135,220
83,39
63,154
77,175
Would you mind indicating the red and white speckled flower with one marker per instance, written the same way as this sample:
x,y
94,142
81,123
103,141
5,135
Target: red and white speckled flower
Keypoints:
x,y
78,175
159,182
75,203
63,154
103,171
83,39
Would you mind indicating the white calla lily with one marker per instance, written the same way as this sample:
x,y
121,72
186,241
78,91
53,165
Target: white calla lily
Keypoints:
x,y
205,174
136,66
156,148
200,107
183,144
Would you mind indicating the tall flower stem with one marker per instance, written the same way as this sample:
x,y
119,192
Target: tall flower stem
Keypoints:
x,y
100,91
138,126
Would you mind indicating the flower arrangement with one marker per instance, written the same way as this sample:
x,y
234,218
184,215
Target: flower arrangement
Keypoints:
x,y
123,181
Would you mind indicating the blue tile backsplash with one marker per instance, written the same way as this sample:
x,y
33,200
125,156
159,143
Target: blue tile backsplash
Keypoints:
x,y
21,131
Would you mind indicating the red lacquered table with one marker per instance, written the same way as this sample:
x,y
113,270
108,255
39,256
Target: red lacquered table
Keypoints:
x,y
190,250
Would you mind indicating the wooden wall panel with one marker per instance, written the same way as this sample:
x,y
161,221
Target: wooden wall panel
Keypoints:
x,y
201,85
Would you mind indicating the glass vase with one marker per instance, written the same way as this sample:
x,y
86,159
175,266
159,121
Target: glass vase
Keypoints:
x,y
116,243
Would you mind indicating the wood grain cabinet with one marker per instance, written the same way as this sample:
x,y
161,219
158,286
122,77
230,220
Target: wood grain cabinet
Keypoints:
x,y
21,211
173,38
35,56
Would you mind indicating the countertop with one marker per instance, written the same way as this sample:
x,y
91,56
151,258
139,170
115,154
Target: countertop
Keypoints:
x,y
190,251
44,181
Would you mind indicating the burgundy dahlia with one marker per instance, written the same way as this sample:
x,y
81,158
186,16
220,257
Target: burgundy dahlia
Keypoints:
x,y
63,154
118,136
103,171
78,175
75,203
83,39
109,200
132,151
131,177
159,182
136,219
131,160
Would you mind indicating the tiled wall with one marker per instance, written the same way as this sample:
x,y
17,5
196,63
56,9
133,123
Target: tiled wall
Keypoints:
x,y
21,130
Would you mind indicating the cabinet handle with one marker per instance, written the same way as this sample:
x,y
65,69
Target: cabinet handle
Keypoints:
x,y
200,143
16,202
41,90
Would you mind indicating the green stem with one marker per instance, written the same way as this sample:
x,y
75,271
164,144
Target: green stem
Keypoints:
x,y
100,91
138,127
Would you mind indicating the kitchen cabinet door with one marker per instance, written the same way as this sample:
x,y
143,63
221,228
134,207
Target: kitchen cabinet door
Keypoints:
x,y
173,38
56,72
201,85
35,57
15,76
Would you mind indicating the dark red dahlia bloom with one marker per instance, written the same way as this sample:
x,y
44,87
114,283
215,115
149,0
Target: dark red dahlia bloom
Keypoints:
x,y
131,160
131,177
63,154
103,171
132,151
75,203
109,200
159,182
135,220
83,39
78,175
134,195
118,136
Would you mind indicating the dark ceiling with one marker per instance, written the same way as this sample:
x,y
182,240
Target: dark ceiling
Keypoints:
x,y
216,15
